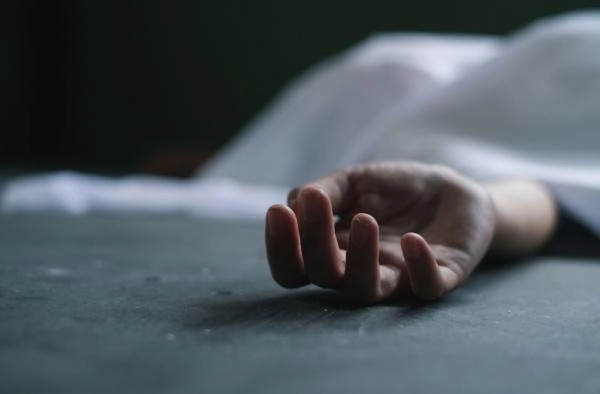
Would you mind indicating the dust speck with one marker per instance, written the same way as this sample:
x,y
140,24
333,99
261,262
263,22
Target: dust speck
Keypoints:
x,y
56,272
170,337
205,271
98,263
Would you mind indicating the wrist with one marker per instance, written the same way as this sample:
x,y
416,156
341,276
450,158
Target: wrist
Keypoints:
x,y
525,216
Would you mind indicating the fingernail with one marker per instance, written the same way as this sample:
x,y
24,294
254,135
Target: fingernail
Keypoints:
x,y
411,248
311,201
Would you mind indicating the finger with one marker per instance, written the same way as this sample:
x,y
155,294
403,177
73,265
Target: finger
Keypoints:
x,y
283,247
336,186
292,198
365,278
426,279
362,266
323,260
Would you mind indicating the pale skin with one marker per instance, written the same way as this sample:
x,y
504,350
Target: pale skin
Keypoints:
x,y
383,231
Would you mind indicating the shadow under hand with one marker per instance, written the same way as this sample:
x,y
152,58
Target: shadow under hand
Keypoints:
x,y
313,310
572,240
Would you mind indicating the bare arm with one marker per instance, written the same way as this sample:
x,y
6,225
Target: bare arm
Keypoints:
x,y
526,216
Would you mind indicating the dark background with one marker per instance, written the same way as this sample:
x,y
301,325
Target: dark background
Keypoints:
x,y
103,85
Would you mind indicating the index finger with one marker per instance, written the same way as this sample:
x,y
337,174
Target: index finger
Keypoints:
x,y
336,186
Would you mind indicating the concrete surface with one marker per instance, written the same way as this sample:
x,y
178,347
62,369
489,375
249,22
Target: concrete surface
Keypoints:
x,y
174,305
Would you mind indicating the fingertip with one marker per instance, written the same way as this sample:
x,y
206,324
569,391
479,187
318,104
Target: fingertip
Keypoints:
x,y
273,209
413,246
311,191
279,218
364,219
364,232
423,272
362,228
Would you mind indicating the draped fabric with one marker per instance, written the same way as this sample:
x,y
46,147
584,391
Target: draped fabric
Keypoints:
x,y
523,105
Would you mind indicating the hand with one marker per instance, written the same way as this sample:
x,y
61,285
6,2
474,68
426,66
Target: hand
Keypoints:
x,y
401,228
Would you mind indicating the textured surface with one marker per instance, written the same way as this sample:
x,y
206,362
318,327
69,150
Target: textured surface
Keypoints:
x,y
173,305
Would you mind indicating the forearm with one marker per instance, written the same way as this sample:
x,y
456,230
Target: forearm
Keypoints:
x,y
525,216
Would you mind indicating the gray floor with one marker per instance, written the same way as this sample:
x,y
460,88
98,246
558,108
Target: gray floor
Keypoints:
x,y
98,305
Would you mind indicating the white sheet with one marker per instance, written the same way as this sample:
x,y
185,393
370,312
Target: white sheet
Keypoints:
x,y
78,194
526,105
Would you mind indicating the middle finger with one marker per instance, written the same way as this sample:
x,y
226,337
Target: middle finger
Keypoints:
x,y
323,260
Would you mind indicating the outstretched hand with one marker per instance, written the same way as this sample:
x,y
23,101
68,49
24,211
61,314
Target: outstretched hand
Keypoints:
x,y
380,231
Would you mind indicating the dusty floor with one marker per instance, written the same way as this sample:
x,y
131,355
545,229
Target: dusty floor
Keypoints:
x,y
174,305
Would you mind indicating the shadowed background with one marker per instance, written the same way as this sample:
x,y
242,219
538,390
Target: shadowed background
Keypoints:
x,y
105,85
